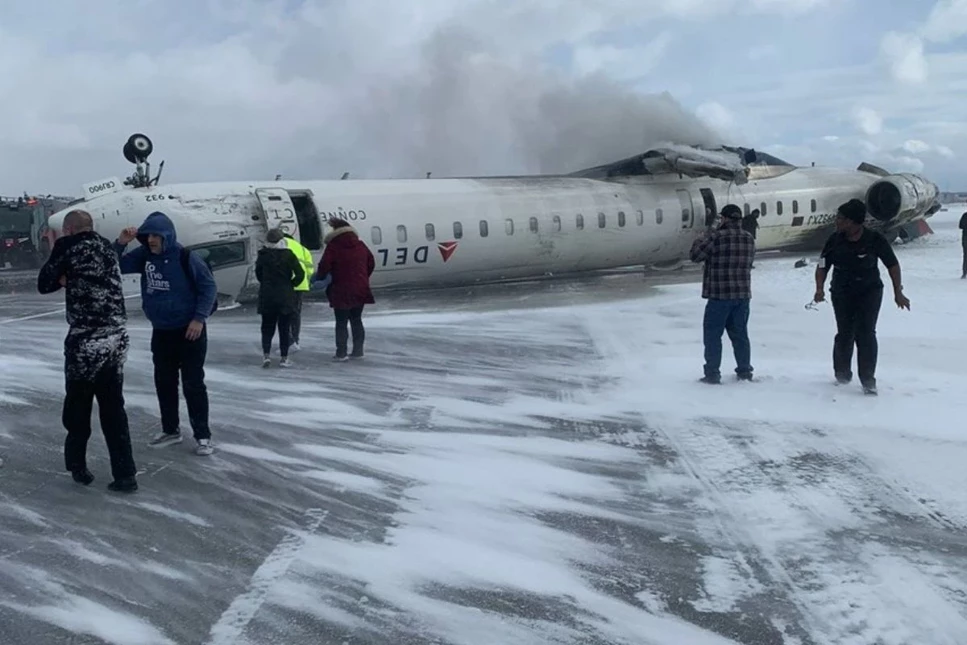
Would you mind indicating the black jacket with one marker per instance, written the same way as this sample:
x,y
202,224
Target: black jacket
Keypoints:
x,y
279,272
94,303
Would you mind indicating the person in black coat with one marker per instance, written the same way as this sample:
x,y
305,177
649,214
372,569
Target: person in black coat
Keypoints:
x,y
279,272
95,348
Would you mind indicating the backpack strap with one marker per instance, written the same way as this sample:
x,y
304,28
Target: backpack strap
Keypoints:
x,y
186,266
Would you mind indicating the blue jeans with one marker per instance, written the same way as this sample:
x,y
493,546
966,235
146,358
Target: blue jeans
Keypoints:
x,y
732,317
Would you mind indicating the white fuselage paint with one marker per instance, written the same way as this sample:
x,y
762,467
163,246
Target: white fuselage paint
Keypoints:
x,y
509,247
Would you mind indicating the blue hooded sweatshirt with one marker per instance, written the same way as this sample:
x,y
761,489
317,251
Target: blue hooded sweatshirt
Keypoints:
x,y
167,297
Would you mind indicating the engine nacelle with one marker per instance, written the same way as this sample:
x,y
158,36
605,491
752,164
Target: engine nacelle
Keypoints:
x,y
900,196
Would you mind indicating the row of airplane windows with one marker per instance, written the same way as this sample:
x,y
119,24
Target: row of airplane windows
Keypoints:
x,y
533,224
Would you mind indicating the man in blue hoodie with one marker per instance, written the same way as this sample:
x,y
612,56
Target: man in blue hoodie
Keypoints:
x,y
178,303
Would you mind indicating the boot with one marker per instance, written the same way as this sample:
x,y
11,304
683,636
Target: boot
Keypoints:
x,y
82,476
125,485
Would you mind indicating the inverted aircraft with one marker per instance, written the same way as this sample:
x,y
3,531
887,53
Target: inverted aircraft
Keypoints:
x,y
644,211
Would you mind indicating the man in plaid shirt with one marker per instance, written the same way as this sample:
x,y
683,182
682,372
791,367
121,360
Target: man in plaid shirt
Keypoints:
x,y
727,285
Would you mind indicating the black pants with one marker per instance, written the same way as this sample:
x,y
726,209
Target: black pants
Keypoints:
x,y
963,270
354,317
173,353
107,388
296,317
271,321
856,317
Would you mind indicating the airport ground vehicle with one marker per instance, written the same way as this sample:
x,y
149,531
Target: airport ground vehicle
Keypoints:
x,y
25,240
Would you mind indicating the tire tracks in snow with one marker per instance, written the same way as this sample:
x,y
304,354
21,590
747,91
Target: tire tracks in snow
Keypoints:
x,y
822,526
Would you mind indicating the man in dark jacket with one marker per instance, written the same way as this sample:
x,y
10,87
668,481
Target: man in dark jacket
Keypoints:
x,y
279,272
750,224
349,263
178,303
727,285
95,348
963,244
856,291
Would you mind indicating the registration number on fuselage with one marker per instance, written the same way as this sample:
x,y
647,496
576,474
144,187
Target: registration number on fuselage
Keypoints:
x,y
821,219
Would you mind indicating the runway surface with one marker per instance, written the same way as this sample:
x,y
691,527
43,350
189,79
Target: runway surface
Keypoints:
x,y
514,465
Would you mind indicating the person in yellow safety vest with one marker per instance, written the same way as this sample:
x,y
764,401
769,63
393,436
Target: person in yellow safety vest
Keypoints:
x,y
305,259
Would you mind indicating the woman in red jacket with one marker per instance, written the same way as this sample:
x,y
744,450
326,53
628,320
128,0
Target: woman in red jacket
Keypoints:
x,y
349,262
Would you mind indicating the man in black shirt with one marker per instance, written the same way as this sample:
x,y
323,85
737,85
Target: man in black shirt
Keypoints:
x,y
963,243
95,348
857,291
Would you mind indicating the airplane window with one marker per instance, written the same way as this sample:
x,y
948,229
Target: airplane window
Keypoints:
x,y
221,255
430,233
640,216
457,230
659,215
377,235
621,218
778,208
812,205
795,207
533,224
601,220
746,210
557,222
484,229
579,222
400,233
762,209
509,226
686,215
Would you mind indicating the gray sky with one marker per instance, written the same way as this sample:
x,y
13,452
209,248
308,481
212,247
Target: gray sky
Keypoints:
x,y
246,89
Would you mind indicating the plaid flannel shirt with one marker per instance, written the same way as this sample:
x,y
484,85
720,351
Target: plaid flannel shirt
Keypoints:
x,y
727,253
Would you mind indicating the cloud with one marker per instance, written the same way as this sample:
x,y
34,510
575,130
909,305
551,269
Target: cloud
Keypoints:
x,y
622,63
312,88
915,146
904,55
867,120
947,21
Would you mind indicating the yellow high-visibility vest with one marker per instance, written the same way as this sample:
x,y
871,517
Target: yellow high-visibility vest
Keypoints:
x,y
305,259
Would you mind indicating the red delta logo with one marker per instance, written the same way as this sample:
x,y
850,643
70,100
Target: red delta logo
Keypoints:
x,y
446,249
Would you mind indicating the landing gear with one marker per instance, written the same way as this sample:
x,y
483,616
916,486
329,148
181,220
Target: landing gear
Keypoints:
x,y
136,151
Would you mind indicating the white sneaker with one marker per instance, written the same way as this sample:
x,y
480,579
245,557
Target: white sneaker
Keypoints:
x,y
285,362
164,439
294,347
204,447
266,362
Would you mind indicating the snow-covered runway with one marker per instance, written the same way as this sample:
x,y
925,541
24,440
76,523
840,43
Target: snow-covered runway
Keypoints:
x,y
543,468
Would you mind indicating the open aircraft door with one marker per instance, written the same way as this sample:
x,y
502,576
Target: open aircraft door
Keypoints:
x,y
279,211
688,210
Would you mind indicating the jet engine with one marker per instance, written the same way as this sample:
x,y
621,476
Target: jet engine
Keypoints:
x,y
900,196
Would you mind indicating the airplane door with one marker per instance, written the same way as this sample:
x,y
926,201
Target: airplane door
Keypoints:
x,y
279,210
710,209
688,211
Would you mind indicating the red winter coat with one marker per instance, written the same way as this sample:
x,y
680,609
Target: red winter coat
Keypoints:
x,y
351,263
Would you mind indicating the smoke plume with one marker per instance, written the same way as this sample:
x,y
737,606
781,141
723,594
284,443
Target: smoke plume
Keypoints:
x,y
464,111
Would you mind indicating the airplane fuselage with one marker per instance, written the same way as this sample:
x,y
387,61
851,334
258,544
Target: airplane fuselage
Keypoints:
x,y
450,232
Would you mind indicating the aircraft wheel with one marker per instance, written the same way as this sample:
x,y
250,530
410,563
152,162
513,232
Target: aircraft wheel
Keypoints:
x,y
141,145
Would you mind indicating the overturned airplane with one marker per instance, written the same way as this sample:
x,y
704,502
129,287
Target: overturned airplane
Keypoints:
x,y
641,211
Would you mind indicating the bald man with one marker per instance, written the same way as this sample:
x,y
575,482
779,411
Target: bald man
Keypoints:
x,y
95,349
